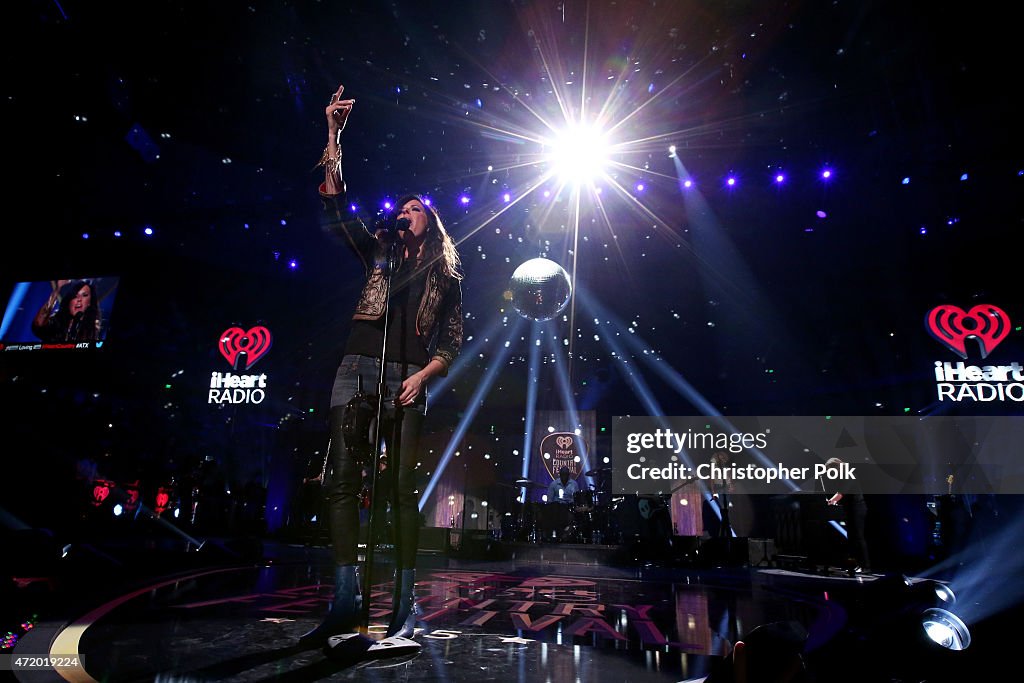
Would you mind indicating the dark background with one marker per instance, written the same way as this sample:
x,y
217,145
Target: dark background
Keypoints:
x,y
204,121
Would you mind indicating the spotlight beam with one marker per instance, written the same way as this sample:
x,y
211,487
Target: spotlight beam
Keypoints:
x,y
532,380
625,194
645,171
668,88
643,392
473,349
572,292
473,407
569,404
520,197
675,379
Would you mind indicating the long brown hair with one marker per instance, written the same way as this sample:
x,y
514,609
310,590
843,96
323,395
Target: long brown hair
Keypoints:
x,y
439,245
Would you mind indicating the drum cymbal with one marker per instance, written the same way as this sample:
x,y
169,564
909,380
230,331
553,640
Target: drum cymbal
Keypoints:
x,y
529,484
594,473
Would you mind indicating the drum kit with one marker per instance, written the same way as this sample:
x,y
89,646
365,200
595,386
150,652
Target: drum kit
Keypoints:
x,y
593,516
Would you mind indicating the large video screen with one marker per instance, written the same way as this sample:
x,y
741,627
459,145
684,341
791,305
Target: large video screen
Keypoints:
x,y
71,313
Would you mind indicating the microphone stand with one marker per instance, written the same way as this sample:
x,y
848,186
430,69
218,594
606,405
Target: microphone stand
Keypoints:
x,y
391,265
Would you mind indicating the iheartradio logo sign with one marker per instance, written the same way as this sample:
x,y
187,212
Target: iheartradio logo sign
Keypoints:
x,y
562,449
987,326
241,348
952,326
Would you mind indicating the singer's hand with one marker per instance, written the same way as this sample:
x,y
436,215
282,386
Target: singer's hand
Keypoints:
x,y
337,111
412,386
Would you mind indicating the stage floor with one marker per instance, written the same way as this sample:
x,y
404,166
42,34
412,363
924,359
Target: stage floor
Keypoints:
x,y
551,615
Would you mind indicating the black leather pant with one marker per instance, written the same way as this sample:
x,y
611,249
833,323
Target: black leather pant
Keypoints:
x,y
402,447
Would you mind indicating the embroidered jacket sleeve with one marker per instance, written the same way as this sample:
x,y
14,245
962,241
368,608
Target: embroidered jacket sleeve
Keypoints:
x,y
449,326
340,222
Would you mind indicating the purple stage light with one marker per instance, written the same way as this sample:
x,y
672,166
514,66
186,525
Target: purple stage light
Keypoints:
x,y
826,174
731,182
426,200
293,264
148,230
464,200
639,187
387,205
85,235
507,197
687,184
779,178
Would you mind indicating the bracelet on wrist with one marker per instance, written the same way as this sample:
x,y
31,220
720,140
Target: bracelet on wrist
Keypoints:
x,y
331,164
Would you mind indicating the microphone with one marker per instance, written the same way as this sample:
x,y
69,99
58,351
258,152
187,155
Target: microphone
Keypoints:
x,y
391,227
75,325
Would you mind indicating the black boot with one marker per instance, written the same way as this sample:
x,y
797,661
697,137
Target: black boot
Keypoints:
x,y
345,608
404,609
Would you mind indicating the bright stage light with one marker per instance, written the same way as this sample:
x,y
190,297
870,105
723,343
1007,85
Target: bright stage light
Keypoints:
x,y
579,153
930,593
946,629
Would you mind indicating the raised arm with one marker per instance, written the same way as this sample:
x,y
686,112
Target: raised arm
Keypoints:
x,y
337,112
42,318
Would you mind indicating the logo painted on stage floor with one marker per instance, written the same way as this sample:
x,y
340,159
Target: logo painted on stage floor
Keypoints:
x,y
549,608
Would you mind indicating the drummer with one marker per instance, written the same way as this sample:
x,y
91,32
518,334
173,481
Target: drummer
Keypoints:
x,y
563,489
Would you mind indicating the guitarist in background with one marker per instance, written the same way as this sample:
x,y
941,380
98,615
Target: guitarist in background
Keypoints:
x,y
852,499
